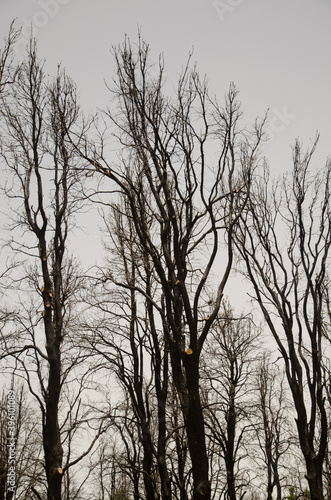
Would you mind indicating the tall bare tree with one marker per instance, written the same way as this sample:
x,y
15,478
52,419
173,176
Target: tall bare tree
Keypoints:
x,y
284,241
44,191
185,172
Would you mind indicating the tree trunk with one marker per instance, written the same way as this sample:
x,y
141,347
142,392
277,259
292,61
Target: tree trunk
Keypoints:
x,y
315,479
51,432
230,444
195,429
277,483
151,494
161,453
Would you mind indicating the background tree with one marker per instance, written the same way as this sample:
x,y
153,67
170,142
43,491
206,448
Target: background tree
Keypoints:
x,y
228,380
129,339
284,241
274,429
7,71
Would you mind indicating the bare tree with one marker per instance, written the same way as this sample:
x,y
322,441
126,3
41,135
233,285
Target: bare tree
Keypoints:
x,y
129,339
184,172
44,190
230,408
284,241
274,433
7,72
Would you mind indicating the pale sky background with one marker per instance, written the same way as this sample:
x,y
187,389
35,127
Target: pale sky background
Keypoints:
x,y
276,51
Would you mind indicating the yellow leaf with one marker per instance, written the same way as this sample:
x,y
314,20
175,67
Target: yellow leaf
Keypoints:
x,y
189,351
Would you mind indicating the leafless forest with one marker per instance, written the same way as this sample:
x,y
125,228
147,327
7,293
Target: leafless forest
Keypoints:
x,y
136,375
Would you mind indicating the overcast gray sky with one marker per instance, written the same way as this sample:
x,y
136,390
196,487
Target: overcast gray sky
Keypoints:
x,y
276,51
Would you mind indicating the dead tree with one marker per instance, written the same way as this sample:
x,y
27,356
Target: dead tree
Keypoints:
x,y
274,432
130,340
229,402
44,191
184,171
284,241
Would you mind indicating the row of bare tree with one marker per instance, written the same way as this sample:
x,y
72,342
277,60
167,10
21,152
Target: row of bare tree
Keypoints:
x,y
146,382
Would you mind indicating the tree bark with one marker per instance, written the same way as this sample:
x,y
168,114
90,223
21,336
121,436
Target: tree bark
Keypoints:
x,y
195,429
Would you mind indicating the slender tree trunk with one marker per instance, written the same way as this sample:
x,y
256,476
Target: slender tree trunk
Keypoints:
x,y
51,434
161,374
53,322
181,457
270,486
277,483
231,431
161,454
